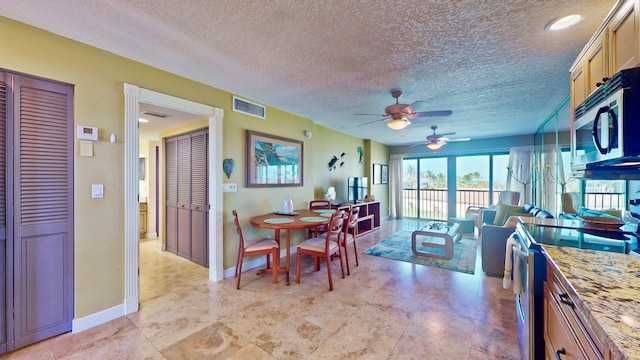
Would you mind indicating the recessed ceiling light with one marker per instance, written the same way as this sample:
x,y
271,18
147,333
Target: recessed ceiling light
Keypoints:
x,y
143,120
564,22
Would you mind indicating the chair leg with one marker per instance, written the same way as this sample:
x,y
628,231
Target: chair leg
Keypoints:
x,y
341,266
274,268
346,256
238,260
239,271
297,268
328,259
268,261
355,250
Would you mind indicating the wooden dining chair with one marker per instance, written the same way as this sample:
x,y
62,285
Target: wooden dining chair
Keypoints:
x,y
323,247
350,233
318,205
264,246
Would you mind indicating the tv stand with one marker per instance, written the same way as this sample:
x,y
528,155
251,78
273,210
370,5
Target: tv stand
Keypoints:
x,y
369,215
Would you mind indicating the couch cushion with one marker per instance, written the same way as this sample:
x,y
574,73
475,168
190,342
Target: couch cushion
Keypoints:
x,y
583,211
527,207
505,211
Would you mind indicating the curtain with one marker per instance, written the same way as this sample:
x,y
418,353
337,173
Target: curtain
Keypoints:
x,y
552,178
520,173
395,187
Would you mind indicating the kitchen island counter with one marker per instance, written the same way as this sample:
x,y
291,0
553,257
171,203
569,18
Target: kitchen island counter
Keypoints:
x,y
608,287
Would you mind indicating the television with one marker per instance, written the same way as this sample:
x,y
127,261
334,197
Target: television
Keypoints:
x,y
357,189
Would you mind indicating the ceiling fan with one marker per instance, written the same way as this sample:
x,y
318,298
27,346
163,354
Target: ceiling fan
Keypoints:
x,y
399,114
436,141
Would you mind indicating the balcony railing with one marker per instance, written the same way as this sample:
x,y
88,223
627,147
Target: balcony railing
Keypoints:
x,y
433,203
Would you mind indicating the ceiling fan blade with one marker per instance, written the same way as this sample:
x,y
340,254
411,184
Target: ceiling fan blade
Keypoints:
x,y
432,113
372,114
459,139
374,121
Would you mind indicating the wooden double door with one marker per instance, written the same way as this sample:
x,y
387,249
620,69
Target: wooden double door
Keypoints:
x,y
187,194
36,209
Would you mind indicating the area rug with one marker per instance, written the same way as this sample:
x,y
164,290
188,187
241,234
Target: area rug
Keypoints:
x,y
398,247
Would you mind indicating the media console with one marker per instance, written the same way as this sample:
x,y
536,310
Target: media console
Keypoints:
x,y
369,216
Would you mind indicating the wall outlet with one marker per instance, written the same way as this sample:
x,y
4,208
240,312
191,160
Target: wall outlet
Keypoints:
x,y
230,187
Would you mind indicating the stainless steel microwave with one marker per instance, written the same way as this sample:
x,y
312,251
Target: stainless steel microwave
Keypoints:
x,y
606,130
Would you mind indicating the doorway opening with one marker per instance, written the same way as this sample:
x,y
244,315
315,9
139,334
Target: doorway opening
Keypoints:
x,y
134,98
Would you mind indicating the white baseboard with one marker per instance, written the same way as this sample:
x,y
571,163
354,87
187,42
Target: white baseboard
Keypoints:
x,y
99,318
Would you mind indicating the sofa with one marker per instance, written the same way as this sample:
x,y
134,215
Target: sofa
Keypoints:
x,y
496,230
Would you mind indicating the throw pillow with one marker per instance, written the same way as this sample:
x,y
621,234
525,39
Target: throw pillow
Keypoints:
x,y
503,210
510,214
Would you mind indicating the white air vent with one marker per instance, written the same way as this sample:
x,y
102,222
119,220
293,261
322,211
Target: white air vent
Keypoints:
x,y
156,114
249,108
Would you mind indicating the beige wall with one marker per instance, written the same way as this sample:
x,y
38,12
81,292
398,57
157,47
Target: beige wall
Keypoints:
x,y
99,79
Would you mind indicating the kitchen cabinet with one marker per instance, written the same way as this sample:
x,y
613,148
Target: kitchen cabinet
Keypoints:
x,y
567,332
614,47
143,219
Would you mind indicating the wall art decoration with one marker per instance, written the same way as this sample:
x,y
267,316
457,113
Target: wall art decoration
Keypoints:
x,y
228,165
384,174
376,174
273,161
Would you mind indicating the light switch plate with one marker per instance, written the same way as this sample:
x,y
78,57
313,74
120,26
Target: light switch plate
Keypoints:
x,y
97,191
230,187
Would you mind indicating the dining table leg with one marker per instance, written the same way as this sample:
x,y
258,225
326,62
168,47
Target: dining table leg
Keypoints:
x,y
288,256
287,263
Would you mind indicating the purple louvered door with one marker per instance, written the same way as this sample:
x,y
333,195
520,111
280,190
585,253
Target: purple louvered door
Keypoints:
x,y
4,260
36,188
187,192
43,209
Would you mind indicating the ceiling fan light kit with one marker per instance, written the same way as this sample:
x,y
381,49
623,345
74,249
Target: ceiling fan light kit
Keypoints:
x,y
399,124
435,146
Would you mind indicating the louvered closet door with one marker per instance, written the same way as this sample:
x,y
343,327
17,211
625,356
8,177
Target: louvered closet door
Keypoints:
x,y
171,173
184,196
199,195
4,294
43,219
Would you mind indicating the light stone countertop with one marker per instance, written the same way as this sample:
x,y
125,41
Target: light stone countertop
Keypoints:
x,y
608,285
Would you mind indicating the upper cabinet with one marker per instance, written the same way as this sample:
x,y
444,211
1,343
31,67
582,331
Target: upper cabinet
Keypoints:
x,y
614,47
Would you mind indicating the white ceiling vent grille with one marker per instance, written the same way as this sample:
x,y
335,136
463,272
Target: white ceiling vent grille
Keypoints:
x,y
249,108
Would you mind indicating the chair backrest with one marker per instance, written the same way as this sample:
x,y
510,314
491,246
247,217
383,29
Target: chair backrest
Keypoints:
x,y
509,197
570,202
319,204
354,213
335,225
238,228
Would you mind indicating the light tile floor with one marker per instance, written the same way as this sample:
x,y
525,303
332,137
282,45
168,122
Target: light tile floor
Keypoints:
x,y
386,309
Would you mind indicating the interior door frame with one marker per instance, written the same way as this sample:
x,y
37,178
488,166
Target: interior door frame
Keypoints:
x,y
135,95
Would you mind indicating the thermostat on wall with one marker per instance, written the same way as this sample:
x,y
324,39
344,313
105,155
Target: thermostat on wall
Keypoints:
x,y
87,133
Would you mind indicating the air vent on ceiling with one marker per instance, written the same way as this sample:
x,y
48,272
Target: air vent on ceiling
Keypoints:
x,y
249,108
151,113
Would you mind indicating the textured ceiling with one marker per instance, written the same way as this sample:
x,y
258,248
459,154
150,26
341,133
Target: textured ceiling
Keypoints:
x,y
491,62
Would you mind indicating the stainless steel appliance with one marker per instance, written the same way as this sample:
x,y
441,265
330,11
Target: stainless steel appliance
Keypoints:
x,y
604,141
529,259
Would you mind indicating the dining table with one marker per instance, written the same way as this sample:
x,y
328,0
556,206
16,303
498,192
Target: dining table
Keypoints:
x,y
296,220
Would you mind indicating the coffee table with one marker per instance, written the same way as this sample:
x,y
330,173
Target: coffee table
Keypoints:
x,y
435,235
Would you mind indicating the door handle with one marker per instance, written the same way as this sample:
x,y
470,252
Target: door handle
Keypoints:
x,y
560,352
564,298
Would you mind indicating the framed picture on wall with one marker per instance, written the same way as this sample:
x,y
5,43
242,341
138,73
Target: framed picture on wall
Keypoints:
x,y
273,161
384,174
377,179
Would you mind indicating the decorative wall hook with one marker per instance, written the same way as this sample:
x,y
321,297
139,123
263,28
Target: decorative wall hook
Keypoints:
x,y
228,165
